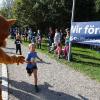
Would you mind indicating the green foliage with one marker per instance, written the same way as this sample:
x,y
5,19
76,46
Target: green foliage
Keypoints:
x,y
56,13
6,9
97,9
41,13
4,12
97,3
85,10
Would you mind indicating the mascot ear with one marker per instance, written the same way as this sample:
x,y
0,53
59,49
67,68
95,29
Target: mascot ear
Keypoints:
x,y
5,24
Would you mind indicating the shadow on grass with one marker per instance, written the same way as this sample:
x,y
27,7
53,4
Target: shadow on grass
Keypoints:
x,y
86,56
87,63
82,51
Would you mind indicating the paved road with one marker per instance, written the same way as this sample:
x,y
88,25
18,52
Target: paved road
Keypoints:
x,y
56,81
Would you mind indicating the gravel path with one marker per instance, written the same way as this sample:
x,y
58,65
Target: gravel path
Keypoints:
x,y
56,81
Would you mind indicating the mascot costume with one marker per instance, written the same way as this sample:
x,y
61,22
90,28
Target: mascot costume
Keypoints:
x,y
4,33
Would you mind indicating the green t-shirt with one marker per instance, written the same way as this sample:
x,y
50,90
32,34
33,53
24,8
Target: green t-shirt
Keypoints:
x,y
67,40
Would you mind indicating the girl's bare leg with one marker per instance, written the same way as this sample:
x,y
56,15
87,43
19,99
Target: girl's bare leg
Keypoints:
x,y
35,76
35,80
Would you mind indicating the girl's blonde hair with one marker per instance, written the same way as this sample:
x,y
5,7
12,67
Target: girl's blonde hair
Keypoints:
x,y
31,44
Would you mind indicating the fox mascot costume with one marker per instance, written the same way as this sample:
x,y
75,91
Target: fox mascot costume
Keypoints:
x,y
4,33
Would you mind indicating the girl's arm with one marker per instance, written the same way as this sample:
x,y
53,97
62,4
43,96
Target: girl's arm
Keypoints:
x,y
29,62
39,58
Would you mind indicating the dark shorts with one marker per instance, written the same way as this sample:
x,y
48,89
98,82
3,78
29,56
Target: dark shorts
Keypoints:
x,y
30,70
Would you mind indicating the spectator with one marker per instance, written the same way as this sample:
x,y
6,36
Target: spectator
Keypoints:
x,y
58,50
33,40
56,37
61,36
50,37
67,40
39,39
30,34
18,44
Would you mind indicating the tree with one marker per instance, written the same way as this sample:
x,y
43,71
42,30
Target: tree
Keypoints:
x,y
55,13
7,8
97,9
41,13
85,10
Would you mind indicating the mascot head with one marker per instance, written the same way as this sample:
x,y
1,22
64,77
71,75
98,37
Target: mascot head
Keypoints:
x,y
4,29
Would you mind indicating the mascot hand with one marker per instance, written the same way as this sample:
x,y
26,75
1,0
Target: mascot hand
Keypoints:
x,y
20,59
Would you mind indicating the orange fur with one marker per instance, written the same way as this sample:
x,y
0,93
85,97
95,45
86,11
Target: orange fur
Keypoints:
x,y
5,58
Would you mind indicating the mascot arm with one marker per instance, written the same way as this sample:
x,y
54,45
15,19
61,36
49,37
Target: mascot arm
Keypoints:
x,y
4,58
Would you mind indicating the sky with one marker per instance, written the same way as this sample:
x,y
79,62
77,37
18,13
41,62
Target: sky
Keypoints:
x,y
1,3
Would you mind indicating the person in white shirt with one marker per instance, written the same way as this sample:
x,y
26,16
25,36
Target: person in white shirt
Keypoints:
x,y
56,37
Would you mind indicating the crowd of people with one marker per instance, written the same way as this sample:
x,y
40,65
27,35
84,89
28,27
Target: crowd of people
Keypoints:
x,y
58,40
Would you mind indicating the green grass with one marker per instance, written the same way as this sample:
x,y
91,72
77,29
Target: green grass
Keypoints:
x,y
84,60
